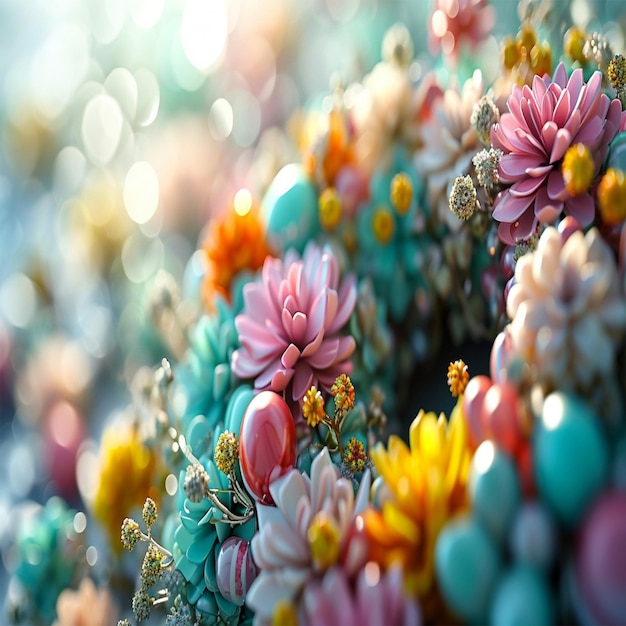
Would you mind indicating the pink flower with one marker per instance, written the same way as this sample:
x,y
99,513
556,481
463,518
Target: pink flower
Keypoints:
x,y
544,121
457,22
376,599
289,328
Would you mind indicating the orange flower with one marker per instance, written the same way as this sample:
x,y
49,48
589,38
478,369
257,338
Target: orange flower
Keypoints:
x,y
328,150
234,243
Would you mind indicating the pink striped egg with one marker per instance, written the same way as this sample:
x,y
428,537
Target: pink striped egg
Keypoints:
x,y
235,569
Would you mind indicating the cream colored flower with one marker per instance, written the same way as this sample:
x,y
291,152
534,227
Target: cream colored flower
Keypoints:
x,y
567,309
449,143
303,535
387,113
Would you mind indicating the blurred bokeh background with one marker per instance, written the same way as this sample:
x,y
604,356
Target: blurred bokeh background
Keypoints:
x,y
124,126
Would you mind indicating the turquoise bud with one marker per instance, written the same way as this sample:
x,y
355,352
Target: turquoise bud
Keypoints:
x,y
494,489
522,597
467,564
617,152
534,536
571,456
290,208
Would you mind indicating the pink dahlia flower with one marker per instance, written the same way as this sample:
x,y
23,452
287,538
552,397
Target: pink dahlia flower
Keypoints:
x,y
543,122
377,598
289,328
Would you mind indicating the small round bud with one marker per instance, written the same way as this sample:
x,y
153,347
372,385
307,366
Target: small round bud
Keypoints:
x,y
149,512
343,392
617,72
354,456
151,568
227,452
196,482
131,533
463,198
486,166
484,115
142,603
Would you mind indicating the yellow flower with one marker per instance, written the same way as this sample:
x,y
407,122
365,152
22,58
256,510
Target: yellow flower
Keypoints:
x,y
128,472
343,392
354,456
427,483
458,377
313,407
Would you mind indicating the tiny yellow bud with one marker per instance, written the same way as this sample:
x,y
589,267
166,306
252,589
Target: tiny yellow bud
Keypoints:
x,y
458,377
313,407
354,456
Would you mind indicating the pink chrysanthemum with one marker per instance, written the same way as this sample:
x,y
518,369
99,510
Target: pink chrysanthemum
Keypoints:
x,y
289,328
543,122
455,23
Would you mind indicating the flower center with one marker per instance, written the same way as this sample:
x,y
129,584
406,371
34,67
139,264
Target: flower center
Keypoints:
x,y
329,209
383,225
577,169
324,537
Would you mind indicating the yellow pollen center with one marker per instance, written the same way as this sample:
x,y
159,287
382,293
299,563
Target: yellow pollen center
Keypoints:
x,y
578,169
324,538
329,209
401,193
284,614
383,225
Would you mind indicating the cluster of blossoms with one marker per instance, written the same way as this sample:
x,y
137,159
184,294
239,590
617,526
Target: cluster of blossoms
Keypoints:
x,y
422,212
